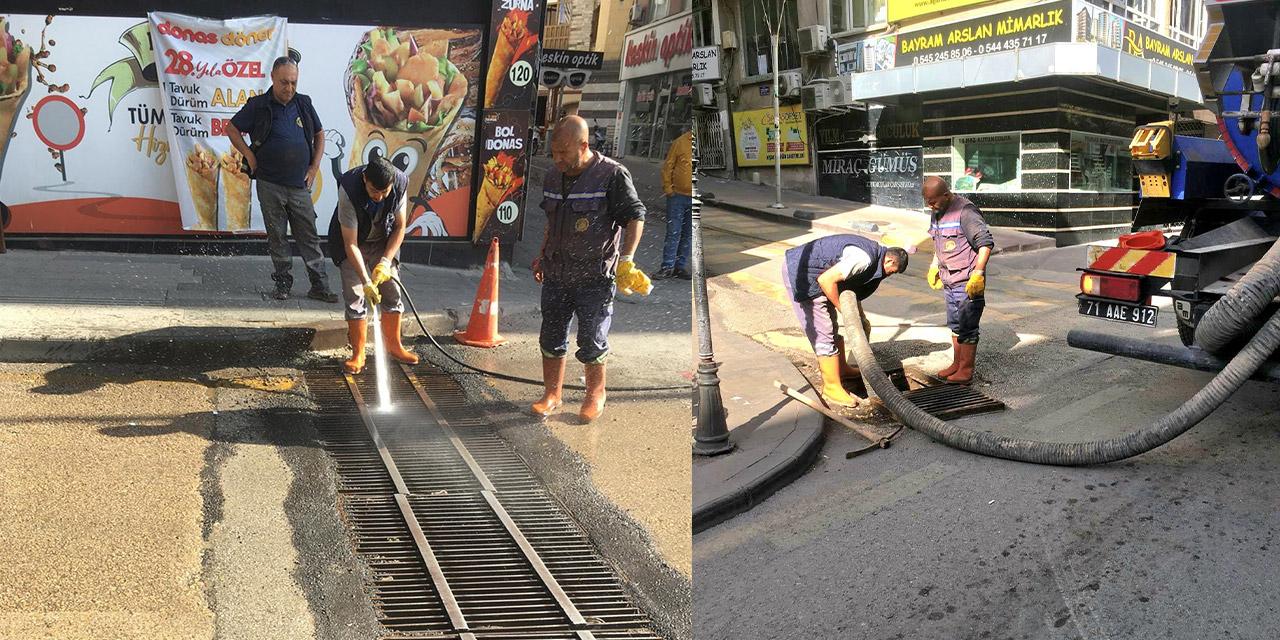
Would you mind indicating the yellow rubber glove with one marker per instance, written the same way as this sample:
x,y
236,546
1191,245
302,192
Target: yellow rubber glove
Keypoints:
x,y
632,280
382,272
371,294
935,280
976,286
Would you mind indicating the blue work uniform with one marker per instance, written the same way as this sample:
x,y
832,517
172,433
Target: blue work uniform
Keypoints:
x,y
800,270
586,216
958,233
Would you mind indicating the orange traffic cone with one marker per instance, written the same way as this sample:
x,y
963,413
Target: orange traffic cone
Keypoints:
x,y
482,329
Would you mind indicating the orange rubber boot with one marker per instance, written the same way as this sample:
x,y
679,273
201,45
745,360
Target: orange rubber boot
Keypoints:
x,y
357,330
955,358
553,381
965,354
391,338
593,404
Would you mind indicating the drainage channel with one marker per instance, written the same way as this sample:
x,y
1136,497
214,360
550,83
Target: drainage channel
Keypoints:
x,y
461,539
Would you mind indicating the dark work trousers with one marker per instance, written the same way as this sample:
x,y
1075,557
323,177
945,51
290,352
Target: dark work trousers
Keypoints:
x,y
963,314
285,208
592,303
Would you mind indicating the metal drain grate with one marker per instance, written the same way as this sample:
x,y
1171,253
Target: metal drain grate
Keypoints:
x,y
462,540
949,401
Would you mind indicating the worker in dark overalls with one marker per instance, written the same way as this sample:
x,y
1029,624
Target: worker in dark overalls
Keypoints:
x,y
815,274
594,222
364,241
962,243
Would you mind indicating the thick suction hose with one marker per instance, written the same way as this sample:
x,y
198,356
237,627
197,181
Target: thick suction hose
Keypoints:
x,y
1247,299
1067,454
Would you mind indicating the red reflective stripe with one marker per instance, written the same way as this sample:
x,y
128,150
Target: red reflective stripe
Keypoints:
x,y
1108,259
1149,263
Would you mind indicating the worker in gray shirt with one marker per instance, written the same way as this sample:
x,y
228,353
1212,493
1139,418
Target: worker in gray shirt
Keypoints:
x,y
962,243
364,240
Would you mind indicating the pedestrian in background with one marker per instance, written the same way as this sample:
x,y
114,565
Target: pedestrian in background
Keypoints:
x,y
677,184
962,243
284,157
815,273
594,223
365,235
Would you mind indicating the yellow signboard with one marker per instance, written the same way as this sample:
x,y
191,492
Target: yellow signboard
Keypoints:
x,y
755,142
900,10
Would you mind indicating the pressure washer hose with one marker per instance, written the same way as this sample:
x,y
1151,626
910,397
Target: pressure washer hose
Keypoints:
x,y
506,376
1245,296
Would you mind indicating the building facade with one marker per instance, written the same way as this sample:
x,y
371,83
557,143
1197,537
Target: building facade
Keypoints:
x,y
655,104
1024,107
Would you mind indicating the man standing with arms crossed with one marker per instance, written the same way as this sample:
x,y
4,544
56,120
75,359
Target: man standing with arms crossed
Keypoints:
x,y
962,244
288,144
589,201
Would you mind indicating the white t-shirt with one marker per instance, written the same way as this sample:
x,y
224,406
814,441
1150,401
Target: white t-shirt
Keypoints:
x,y
852,260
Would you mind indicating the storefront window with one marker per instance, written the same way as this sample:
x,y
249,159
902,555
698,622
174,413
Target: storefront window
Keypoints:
x,y
1099,163
756,46
986,163
679,112
640,126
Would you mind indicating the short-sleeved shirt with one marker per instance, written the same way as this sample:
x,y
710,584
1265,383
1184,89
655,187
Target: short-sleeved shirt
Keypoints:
x,y
347,217
285,155
852,260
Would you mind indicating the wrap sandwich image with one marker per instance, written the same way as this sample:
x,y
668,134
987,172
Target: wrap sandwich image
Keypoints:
x,y
202,181
15,82
235,191
513,41
500,181
404,94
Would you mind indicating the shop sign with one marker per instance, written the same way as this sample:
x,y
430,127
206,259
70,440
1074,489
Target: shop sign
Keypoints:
x,y
903,9
1035,25
756,141
872,54
889,177
1094,24
706,64
894,126
662,48
571,59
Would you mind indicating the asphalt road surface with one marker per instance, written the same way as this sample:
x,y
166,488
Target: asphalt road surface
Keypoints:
x,y
923,542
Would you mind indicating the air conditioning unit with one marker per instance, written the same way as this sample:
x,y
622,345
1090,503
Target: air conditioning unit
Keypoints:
x,y
789,84
816,97
704,95
813,40
841,90
637,13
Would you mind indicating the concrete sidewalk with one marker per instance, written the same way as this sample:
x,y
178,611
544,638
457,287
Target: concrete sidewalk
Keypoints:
x,y
775,439
67,306
833,215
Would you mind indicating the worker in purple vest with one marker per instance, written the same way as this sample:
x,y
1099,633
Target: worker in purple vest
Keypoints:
x,y
815,274
594,222
962,243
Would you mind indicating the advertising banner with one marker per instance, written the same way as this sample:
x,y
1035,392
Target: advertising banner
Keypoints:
x,y
95,157
903,9
511,89
207,70
889,177
571,59
871,54
755,137
1035,25
1094,24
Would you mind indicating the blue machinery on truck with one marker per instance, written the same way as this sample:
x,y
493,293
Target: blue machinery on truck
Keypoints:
x,y
1222,270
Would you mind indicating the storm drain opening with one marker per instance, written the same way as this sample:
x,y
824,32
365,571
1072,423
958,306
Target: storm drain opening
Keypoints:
x,y
461,539
950,401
